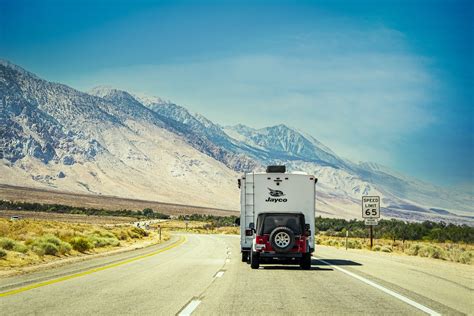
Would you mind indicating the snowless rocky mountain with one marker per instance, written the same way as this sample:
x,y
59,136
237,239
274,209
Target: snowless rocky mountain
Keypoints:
x,y
113,142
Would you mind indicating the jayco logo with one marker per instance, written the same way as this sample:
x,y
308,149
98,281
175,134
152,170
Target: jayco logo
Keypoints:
x,y
277,196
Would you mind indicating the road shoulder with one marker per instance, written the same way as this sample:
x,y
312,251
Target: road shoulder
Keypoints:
x,y
78,266
443,286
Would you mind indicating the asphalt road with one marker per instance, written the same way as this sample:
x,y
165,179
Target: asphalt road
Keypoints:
x,y
203,275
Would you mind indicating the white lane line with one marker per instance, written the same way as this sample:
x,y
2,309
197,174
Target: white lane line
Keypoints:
x,y
381,288
189,309
219,274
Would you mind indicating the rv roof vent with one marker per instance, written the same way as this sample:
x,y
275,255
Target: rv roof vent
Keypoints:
x,y
276,169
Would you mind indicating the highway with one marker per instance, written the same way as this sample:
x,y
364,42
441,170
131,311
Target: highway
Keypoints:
x,y
203,275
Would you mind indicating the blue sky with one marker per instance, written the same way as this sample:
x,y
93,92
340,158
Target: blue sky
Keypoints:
x,y
383,81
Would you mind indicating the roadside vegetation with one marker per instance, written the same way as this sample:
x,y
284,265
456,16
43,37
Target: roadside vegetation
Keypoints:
x,y
29,241
66,209
427,239
456,252
398,230
198,227
26,242
212,220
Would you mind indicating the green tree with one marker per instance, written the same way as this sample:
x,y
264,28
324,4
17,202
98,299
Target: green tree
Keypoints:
x,y
148,212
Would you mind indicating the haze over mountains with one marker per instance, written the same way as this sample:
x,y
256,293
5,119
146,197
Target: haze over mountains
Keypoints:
x,y
114,142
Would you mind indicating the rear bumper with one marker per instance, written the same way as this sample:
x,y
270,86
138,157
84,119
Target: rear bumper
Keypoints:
x,y
280,255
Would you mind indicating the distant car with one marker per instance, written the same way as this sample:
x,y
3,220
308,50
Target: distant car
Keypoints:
x,y
15,218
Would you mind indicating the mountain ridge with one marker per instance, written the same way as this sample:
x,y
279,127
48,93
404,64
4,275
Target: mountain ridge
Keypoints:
x,y
58,125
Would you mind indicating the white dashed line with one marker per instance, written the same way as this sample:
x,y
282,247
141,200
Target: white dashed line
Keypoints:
x,y
189,309
219,274
381,288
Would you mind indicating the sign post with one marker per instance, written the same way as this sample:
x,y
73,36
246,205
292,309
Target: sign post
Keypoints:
x,y
371,213
347,235
371,236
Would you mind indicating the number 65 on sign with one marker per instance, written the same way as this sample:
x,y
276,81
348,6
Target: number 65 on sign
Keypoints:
x,y
371,206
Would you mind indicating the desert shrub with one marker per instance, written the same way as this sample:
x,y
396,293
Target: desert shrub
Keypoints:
x,y
354,244
413,249
98,241
65,248
140,232
108,234
466,257
19,247
454,253
51,239
7,243
3,253
81,244
376,248
132,234
386,249
121,235
104,233
208,226
41,248
431,251
332,242
4,230
64,234
50,245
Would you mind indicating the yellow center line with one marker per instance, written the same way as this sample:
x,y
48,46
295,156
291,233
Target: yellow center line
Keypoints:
x,y
76,275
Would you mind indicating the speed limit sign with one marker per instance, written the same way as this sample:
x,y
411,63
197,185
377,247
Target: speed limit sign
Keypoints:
x,y
371,206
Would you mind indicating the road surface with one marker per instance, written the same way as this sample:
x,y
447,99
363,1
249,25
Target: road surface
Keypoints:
x,y
203,275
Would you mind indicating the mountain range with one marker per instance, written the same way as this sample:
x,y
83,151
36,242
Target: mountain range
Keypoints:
x,y
113,142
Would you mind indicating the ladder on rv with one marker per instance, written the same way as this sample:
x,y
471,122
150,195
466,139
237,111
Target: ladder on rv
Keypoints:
x,y
249,199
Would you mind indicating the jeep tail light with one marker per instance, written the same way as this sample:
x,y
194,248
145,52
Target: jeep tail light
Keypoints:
x,y
260,240
259,247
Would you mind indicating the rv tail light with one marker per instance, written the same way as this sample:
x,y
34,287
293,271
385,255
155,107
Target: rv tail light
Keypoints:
x,y
248,232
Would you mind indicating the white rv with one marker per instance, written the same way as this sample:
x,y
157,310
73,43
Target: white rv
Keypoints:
x,y
277,215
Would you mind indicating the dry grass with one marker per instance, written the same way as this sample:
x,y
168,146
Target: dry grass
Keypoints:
x,y
27,242
462,253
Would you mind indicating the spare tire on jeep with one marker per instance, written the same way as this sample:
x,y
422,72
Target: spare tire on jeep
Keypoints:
x,y
282,239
